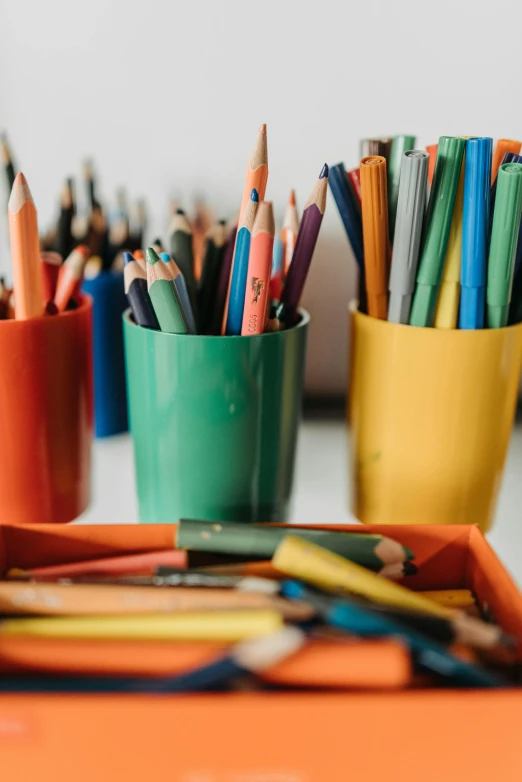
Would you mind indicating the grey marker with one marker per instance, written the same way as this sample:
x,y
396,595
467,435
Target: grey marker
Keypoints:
x,y
411,205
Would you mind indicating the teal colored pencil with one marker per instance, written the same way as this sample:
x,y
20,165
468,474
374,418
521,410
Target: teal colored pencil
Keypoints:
x,y
164,296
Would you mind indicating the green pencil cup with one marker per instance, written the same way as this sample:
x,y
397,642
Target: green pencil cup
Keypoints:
x,y
214,422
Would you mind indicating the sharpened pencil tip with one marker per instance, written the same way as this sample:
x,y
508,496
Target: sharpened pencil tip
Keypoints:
x,y
127,258
291,199
165,257
20,194
151,256
324,172
254,195
262,129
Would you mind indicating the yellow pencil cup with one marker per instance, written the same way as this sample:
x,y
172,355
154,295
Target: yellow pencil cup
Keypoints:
x,y
430,413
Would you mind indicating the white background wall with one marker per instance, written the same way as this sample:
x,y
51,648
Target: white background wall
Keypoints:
x,y
167,97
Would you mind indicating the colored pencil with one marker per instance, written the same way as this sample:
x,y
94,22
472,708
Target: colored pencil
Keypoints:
x,y
181,286
304,249
25,251
289,231
88,176
164,296
51,263
198,626
276,275
258,273
136,290
7,161
170,577
375,234
64,236
180,234
210,273
71,275
371,551
19,599
238,278
218,310
503,145
257,170
357,619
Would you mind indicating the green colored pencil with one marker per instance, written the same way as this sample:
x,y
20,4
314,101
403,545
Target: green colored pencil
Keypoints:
x,y
182,252
248,540
164,296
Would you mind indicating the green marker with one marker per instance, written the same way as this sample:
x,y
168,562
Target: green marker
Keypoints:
x,y
503,247
399,145
438,222
164,296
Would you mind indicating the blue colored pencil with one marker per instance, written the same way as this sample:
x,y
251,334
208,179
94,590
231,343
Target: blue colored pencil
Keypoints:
x,y
238,278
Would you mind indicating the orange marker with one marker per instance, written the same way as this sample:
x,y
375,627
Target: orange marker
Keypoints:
x,y
259,267
432,152
25,251
71,276
51,263
289,232
375,233
503,145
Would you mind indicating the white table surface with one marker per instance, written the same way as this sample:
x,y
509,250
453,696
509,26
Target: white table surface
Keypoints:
x,y
320,488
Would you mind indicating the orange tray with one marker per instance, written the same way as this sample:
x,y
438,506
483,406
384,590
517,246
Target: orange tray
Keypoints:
x,y
429,735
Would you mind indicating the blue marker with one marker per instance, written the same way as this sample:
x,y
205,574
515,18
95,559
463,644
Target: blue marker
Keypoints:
x,y
238,280
475,229
181,286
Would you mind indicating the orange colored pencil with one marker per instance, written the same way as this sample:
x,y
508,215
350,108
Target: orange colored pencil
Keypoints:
x,y
25,251
71,275
257,170
259,268
503,145
139,257
432,152
375,234
289,231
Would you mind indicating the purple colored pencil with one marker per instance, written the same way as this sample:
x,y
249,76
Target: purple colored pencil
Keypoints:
x,y
221,294
304,250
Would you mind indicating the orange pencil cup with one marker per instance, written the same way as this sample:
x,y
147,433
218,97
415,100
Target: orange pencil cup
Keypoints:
x,y
430,413
46,417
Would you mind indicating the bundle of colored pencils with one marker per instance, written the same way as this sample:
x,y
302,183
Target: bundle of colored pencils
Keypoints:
x,y
249,283
254,606
456,264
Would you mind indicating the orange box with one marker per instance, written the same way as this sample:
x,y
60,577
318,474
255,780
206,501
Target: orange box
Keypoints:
x,y
431,735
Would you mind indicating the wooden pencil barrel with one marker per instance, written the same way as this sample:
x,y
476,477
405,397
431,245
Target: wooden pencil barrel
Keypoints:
x,y
46,417
430,414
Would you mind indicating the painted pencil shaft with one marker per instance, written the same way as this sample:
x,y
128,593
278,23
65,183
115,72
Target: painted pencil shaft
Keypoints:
x,y
258,273
238,278
178,280
375,234
218,313
25,251
164,296
71,275
137,293
181,250
304,250
51,263
210,273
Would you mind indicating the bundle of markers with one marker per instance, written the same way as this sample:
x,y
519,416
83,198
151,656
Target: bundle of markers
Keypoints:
x,y
436,234
246,286
250,606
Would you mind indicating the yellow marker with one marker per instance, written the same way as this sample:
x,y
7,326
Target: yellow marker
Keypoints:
x,y
446,313
301,559
215,626
452,598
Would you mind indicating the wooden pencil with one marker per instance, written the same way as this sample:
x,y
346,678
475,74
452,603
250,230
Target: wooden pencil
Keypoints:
x,y
88,176
289,231
238,276
71,275
304,250
210,272
64,236
136,290
25,251
51,263
257,170
164,296
219,314
259,268
181,286
7,161
181,250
